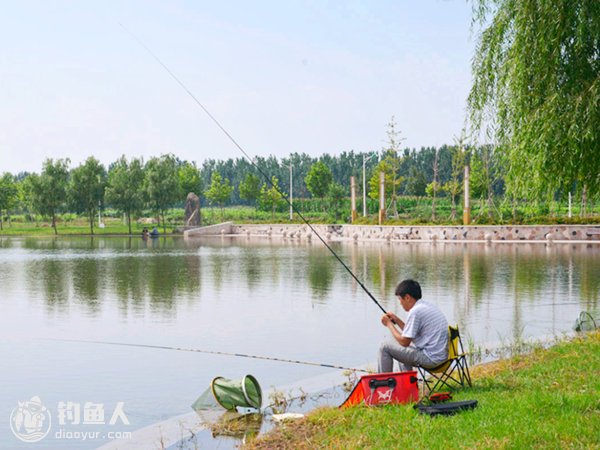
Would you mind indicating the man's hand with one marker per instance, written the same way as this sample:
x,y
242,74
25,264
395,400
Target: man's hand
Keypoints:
x,y
394,318
391,318
386,320
395,325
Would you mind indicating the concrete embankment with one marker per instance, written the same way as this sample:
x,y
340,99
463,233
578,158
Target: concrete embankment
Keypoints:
x,y
210,230
389,233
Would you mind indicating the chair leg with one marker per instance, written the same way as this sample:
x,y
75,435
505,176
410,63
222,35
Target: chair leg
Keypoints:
x,y
457,374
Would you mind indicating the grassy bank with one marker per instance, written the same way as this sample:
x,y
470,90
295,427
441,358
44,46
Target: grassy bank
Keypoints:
x,y
71,224
547,399
411,211
75,227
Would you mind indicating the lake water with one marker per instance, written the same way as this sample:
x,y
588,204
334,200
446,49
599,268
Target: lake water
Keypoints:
x,y
258,297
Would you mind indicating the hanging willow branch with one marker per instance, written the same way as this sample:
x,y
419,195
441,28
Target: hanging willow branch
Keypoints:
x,y
536,90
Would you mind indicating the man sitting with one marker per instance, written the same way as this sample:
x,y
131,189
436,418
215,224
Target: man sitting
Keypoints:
x,y
426,329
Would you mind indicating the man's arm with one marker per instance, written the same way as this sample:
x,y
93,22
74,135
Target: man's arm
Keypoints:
x,y
388,321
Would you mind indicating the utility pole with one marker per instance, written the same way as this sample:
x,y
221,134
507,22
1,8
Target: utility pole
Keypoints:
x,y
467,206
381,197
291,166
353,198
291,191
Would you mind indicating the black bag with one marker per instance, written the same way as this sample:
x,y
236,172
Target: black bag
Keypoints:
x,y
446,409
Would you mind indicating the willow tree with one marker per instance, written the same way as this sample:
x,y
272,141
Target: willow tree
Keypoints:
x,y
536,91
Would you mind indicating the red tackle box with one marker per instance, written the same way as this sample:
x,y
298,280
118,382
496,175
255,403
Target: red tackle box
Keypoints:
x,y
384,389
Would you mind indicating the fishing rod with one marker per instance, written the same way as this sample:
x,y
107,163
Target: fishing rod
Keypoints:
x,y
213,352
264,175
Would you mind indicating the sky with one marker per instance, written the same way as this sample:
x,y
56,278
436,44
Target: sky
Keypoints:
x,y
312,76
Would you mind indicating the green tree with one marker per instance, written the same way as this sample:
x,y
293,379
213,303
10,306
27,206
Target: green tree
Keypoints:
x,y
416,183
394,162
47,192
161,185
124,190
431,190
8,195
454,186
86,188
302,164
536,89
318,179
250,188
434,186
483,177
219,191
336,195
190,179
392,181
390,165
24,194
271,196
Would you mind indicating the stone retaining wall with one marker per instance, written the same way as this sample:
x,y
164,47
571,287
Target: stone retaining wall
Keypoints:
x,y
427,233
210,230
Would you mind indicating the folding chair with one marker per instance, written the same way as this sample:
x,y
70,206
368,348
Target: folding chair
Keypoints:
x,y
454,371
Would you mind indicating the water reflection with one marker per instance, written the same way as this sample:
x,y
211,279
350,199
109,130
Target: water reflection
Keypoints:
x,y
252,296
251,265
493,282
6,242
54,278
161,271
86,275
320,273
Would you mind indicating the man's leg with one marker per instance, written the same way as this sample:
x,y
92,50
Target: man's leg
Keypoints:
x,y
407,357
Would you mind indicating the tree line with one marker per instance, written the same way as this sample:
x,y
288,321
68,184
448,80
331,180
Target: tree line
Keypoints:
x,y
161,183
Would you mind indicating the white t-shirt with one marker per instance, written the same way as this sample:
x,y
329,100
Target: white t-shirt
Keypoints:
x,y
428,329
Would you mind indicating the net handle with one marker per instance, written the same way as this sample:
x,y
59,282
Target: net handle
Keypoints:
x,y
254,381
212,388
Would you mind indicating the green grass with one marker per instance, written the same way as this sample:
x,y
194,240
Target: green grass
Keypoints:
x,y
69,224
246,214
411,211
547,399
77,226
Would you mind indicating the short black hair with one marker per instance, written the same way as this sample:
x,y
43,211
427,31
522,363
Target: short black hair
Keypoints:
x,y
410,287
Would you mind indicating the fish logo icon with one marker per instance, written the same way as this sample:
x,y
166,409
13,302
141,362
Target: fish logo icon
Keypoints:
x,y
385,397
30,421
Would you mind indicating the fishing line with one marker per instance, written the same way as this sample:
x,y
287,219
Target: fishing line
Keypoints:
x,y
213,352
264,175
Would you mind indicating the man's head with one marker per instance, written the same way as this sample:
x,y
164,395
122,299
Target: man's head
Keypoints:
x,y
408,292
